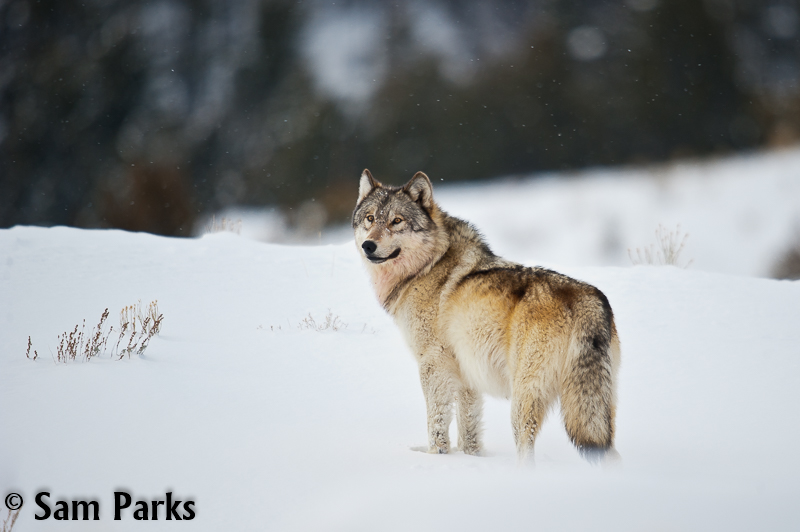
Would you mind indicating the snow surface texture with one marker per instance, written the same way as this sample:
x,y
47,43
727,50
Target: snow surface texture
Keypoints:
x,y
267,426
741,214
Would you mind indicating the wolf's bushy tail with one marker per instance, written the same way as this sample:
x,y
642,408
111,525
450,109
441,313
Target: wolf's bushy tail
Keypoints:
x,y
588,398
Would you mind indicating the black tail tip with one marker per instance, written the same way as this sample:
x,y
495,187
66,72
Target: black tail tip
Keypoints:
x,y
596,455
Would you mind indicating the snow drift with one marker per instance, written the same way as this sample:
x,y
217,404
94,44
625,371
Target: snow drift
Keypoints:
x,y
268,425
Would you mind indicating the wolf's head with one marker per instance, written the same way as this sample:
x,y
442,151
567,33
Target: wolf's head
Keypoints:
x,y
398,230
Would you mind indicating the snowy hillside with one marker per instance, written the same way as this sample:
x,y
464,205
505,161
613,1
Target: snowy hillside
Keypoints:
x,y
740,214
267,426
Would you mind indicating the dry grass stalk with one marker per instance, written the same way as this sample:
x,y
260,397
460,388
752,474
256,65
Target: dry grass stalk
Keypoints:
x,y
149,326
667,249
331,322
77,345
788,267
225,224
9,521
28,352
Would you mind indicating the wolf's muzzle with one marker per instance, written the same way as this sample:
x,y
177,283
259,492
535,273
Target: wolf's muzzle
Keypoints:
x,y
377,260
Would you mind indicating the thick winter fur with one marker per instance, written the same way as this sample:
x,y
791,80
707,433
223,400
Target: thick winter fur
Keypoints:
x,y
477,323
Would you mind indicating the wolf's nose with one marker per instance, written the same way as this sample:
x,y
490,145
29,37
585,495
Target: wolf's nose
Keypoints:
x,y
369,247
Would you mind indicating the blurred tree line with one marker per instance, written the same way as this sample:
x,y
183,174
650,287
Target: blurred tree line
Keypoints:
x,y
145,114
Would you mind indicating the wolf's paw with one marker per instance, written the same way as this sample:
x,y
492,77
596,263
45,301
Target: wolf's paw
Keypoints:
x,y
473,451
470,446
439,446
438,442
430,450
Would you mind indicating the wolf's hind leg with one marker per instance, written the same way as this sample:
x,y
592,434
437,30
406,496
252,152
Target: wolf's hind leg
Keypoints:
x,y
529,406
437,388
533,391
469,405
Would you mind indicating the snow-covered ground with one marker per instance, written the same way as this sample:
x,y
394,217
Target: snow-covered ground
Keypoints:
x,y
268,426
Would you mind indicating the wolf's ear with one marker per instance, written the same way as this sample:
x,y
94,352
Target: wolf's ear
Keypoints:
x,y
366,185
420,190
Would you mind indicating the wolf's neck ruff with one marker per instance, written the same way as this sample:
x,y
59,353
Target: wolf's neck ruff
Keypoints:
x,y
417,258
390,278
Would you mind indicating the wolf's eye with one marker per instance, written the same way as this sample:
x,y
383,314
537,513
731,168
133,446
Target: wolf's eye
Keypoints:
x,y
370,218
397,221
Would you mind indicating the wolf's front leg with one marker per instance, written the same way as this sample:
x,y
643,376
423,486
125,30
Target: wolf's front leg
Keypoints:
x,y
437,388
469,405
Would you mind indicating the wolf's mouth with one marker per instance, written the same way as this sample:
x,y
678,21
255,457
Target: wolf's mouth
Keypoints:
x,y
377,260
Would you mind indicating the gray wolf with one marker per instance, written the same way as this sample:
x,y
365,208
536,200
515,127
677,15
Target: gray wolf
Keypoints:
x,y
477,323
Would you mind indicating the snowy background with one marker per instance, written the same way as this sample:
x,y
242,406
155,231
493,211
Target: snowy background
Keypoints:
x,y
270,426
738,215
